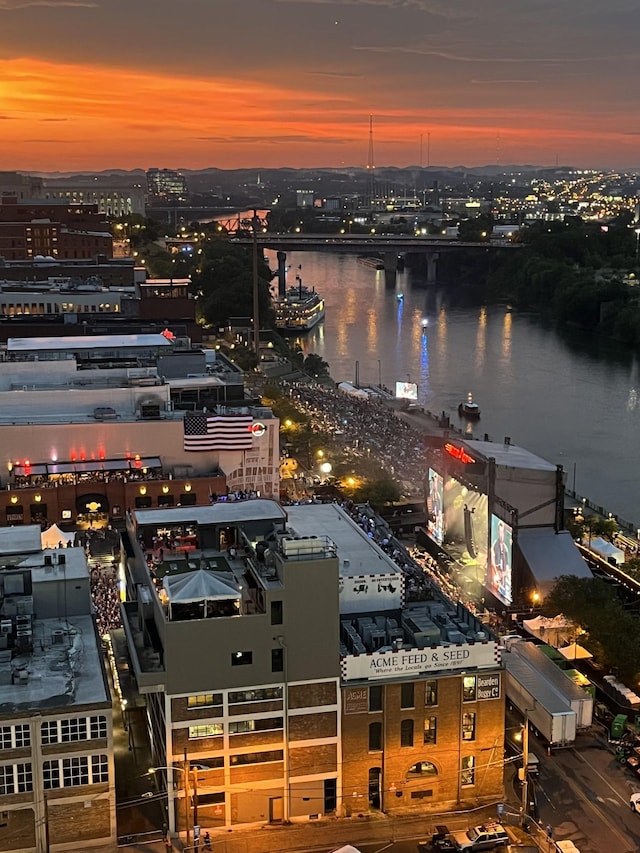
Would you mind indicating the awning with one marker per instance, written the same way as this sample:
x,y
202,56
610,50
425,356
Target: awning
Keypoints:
x,y
575,652
201,585
551,555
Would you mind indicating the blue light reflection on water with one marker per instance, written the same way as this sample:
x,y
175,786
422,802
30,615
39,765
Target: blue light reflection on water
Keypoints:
x,y
556,396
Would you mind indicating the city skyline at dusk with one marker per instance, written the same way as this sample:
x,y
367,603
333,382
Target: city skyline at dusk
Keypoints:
x,y
91,85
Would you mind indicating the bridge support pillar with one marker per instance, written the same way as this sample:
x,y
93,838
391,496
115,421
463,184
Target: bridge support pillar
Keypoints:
x,y
390,261
432,267
282,273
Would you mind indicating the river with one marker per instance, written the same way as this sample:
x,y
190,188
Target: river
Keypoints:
x,y
567,397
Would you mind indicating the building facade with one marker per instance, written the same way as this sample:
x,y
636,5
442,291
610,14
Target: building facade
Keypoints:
x,y
57,781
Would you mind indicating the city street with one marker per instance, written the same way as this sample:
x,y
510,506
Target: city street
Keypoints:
x,y
583,794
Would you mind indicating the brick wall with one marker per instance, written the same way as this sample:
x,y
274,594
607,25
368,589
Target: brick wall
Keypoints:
x,y
19,831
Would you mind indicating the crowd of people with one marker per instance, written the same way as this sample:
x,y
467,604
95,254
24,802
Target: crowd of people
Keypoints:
x,y
105,595
368,426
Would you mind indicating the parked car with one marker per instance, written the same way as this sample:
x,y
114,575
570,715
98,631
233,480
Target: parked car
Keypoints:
x,y
483,837
441,839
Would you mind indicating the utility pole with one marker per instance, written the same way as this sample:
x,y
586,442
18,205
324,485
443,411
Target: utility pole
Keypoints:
x,y
525,765
185,782
256,300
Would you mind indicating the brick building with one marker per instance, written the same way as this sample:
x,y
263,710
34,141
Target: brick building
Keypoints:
x,y
325,691
57,784
38,228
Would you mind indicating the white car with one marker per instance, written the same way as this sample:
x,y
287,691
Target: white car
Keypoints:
x,y
484,837
634,802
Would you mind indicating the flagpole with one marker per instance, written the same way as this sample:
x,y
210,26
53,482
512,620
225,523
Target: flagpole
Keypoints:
x,y
256,301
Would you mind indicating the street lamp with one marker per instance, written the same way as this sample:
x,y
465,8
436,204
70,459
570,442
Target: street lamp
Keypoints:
x,y
187,773
637,232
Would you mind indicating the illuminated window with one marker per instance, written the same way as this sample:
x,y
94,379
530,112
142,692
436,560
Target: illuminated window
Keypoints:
x,y
468,726
263,695
431,693
423,768
469,688
204,700
430,729
240,727
212,730
468,771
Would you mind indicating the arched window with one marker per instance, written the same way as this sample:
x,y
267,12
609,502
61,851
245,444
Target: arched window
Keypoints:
x,y
422,768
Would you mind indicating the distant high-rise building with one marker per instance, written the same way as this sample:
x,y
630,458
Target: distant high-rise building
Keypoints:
x,y
20,186
304,198
166,185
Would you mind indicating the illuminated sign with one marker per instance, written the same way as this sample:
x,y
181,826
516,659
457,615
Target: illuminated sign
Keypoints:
x,y
414,662
257,429
459,454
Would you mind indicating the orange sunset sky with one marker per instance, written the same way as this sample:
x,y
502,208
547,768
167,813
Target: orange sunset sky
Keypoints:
x,y
96,84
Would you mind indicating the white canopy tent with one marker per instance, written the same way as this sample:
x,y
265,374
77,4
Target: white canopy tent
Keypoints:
x,y
200,587
53,536
575,652
554,631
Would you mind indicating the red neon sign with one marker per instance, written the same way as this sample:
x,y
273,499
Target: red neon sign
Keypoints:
x,y
459,454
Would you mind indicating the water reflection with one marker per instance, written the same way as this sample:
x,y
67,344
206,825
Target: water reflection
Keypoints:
x,y
564,396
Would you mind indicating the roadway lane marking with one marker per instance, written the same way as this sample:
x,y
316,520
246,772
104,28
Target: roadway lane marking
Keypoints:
x,y
619,797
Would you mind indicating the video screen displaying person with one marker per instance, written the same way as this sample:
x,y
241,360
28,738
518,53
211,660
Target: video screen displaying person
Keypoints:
x,y
500,553
435,507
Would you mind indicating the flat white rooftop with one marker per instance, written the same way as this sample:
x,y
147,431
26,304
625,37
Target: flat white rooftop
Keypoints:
x,y
222,512
24,539
510,455
63,675
362,555
86,342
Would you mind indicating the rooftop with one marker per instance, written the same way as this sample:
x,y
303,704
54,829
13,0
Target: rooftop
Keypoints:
x,y
222,512
358,554
63,670
86,342
510,455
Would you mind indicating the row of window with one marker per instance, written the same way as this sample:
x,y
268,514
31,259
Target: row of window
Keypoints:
x,y
74,729
55,731
237,727
211,700
430,731
408,693
79,770
57,773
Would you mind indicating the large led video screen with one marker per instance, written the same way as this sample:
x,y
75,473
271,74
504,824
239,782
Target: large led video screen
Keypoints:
x,y
406,391
435,507
466,526
499,566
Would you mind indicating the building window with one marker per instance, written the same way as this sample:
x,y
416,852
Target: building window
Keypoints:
x,y
257,757
239,727
97,727
375,737
468,771
406,733
241,658
25,778
75,771
277,660
276,613
431,693
423,768
430,728
469,688
51,774
99,768
72,730
204,700
15,737
468,726
263,695
375,697
15,778
212,730
330,795
49,732
406,695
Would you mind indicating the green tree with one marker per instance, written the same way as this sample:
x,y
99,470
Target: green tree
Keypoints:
x,y
611,633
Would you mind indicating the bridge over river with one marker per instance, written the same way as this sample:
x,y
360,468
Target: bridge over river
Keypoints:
x,y
386,247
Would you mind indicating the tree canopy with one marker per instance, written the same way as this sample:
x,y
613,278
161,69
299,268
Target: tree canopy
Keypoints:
x,y
612,634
